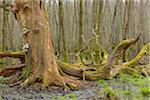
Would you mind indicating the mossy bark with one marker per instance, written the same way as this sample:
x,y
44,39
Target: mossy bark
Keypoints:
x,y
144,51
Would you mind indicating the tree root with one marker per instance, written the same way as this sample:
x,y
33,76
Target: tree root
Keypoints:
x,y
69,74
8,71
18,54
14,78
31,79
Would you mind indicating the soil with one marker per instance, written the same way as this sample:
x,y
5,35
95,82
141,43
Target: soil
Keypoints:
x,y
94,91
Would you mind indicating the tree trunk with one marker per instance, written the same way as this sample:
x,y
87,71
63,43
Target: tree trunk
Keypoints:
x,y
61,36
40,55
80,42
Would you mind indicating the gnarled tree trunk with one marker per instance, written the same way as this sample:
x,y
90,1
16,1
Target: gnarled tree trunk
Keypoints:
x,y
40,54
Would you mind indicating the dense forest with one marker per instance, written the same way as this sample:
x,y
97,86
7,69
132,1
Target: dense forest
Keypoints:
x,y
73,43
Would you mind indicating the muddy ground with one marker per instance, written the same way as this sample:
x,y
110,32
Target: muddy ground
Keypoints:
x,y
118,88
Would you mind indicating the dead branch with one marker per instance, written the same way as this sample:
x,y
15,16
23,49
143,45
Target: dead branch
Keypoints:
x,y
144,51
120,50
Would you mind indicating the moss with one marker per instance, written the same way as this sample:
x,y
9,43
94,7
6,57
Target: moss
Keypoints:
x,y
103,83
109,92
93,55
126,92
26,72
145,91
72,96
61,98
2,62
18,52
144,51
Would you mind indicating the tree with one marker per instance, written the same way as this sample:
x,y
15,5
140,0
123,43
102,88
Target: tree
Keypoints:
x,y
40,62
80,24
40,55
97,14
61,37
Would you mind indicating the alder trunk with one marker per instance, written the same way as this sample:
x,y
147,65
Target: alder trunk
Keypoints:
x,y
39,53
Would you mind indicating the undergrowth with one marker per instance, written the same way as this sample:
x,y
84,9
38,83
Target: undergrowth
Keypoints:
x,y
126,86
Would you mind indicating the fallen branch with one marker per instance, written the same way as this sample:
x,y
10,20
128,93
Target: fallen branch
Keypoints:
x,y
89,73
120,50
144,51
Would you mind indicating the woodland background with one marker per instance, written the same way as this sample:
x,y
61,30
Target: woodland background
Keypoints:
x,y
69,20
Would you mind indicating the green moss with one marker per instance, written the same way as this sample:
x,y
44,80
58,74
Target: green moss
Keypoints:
x,y
92,56
72,96
14,61
18,52
2,62
109,92
126,92
61,98
103,83
145,91
26,72
144,51
134,79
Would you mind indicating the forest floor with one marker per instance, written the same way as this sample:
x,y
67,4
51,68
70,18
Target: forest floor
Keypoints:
x,y
124,87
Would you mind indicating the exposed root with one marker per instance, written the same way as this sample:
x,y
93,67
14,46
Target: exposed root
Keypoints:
x,y
14,78
83,73
31,79
28,81
72,69
18,54
67,75
73,84
8,71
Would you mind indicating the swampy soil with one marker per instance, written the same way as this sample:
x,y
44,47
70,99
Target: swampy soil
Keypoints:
x,y
120,88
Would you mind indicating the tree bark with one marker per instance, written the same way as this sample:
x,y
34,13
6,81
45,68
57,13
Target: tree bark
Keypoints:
x,y
61,36
40,55
80,42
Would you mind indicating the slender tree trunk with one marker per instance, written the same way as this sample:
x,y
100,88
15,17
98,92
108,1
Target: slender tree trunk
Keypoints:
x,y
62,41
80,24
126,22
5,33
97,15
